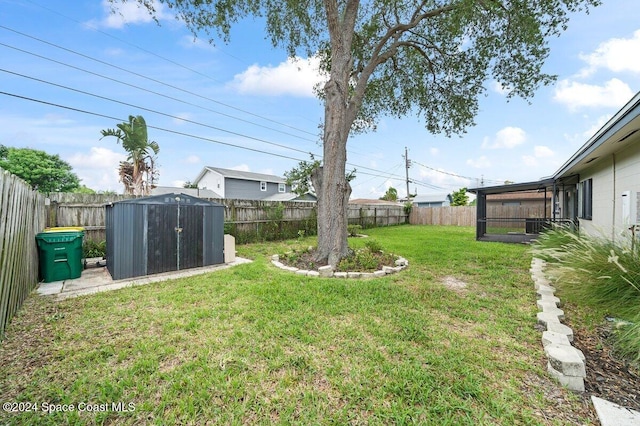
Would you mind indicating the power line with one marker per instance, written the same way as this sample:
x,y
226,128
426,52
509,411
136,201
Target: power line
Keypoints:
x,y
379,174
453,174
149,126
156,112
150,79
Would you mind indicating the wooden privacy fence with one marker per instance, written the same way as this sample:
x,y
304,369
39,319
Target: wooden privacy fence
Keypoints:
x,y
498,216
21,218
242,217
457,216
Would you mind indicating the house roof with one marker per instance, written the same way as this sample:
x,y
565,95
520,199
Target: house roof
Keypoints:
x,y
620,131
289,196
239,174
431,198
513,187
195,192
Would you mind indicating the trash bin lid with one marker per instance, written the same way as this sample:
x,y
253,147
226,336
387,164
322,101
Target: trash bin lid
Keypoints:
x,y
65,229
58,237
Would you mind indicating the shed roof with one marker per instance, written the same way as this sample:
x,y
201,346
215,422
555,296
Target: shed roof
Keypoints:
x,y
168,199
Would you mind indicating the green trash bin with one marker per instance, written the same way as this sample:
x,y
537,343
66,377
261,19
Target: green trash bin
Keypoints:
x,y
60,254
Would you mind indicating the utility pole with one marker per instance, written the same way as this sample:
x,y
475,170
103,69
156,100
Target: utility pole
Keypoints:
x,y
407,164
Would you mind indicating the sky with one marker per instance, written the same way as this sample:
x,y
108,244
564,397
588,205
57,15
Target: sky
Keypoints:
x,y
71,69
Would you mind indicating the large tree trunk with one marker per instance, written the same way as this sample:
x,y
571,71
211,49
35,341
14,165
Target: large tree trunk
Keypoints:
x,y
334,189
330,181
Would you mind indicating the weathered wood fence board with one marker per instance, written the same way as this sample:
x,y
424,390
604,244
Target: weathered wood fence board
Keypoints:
x,y
87,210
514,216
458,216
22,216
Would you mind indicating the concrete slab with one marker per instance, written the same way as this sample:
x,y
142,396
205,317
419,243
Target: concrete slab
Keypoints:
x,y
611,414
98,279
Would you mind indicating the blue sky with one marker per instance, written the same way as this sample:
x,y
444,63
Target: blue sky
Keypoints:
x,y
71,69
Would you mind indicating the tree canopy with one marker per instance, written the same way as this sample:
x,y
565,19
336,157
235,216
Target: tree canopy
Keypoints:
x,y
460,197
44,172
396,57
139,172
390,195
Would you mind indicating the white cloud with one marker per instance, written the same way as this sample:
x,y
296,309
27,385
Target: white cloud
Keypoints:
x,y
530,161
481,162
442,178
192,159
129,13
499,88
434,151
616,54
574,95
98,169
509,137
295,77
540,151
181,117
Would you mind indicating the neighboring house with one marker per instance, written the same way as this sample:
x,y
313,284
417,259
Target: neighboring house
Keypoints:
x,y
194,192
598,188
432,200
240,185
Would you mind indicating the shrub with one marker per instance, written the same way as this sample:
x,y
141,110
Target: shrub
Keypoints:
x,y
373,246
353,230
92,248
600,275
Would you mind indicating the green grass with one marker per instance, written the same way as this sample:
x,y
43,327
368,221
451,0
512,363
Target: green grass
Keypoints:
x,y
257,345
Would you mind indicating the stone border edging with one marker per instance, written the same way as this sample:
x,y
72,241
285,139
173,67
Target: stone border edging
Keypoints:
x,y
328,272
565,362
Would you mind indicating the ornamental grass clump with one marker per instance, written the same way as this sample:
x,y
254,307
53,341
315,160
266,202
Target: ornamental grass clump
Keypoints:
x,y
595,272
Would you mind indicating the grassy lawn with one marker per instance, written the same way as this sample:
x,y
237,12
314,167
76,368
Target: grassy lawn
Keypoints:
x,y
450,340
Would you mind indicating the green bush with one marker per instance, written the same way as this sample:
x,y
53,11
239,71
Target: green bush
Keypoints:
x,y
353,230
373,246
92,248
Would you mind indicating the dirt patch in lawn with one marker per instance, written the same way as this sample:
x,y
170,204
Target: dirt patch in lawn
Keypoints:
x,y
452,283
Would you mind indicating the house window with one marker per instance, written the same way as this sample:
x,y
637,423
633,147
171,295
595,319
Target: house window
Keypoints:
x,y
585,199
263,186
282,187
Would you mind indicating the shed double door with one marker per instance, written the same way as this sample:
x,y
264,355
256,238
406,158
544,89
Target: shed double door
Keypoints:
x,y
174,238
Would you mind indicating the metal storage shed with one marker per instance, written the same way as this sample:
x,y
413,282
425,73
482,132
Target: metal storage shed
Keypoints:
x,y
163,233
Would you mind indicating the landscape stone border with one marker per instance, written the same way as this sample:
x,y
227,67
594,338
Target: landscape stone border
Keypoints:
x,y
328,272
565,362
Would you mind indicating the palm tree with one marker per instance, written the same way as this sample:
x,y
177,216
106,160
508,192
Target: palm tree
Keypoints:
x,y
141,159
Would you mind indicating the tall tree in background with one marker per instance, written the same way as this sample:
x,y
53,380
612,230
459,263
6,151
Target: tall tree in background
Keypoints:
x,y
390,195
460,197
430,57
44,172
138,173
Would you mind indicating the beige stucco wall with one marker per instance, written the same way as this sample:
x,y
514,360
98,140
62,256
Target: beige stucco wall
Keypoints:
x,y
612,176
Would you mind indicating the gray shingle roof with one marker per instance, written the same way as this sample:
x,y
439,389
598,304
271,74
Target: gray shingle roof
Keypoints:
x,y
238,174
